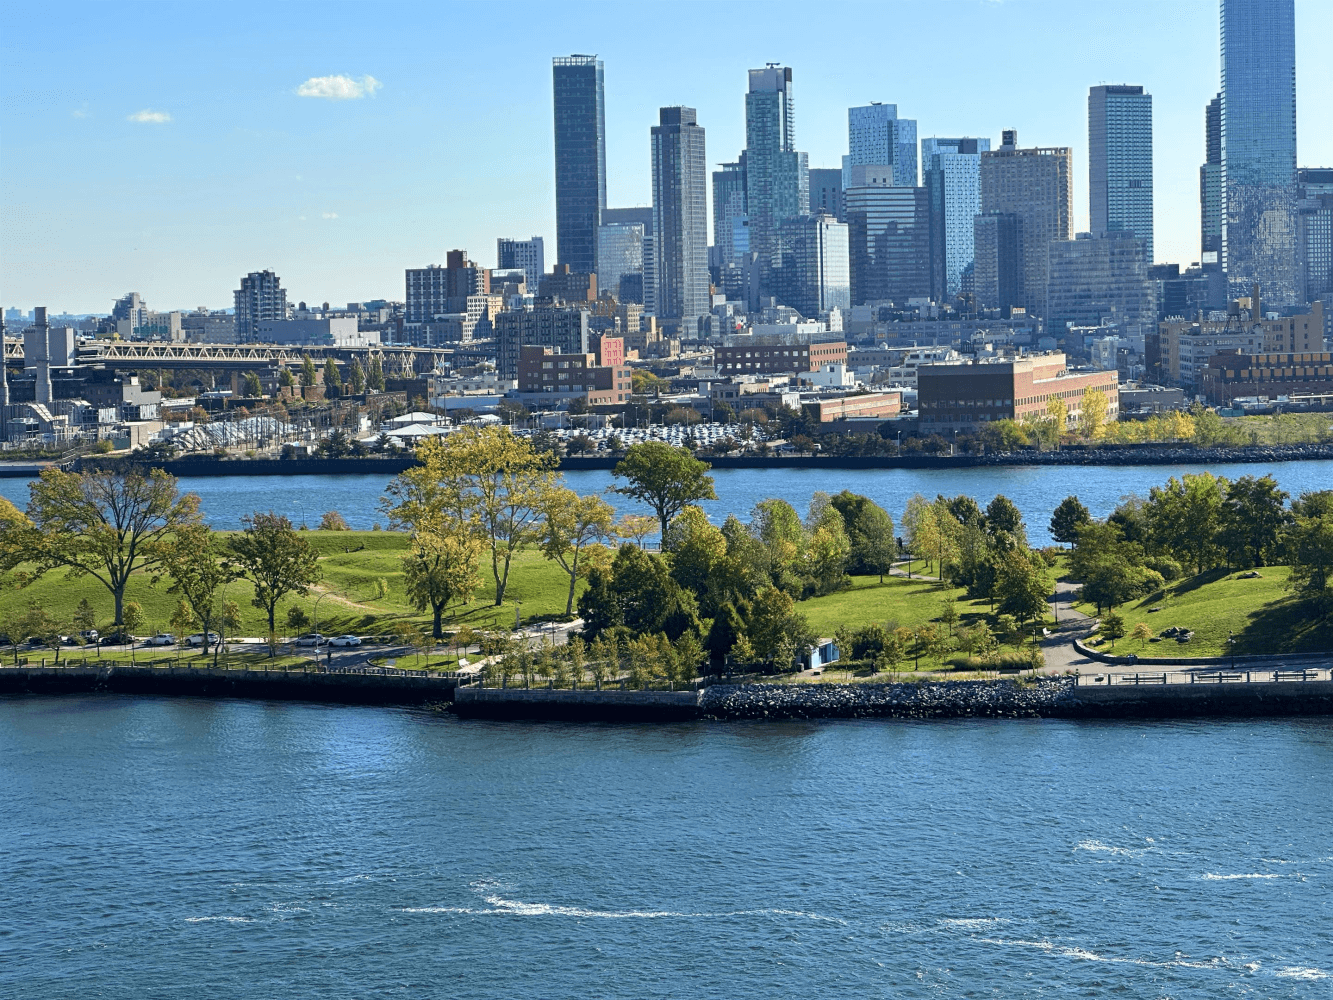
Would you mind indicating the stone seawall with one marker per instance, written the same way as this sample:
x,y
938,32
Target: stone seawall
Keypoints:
x,y
942,700
277,685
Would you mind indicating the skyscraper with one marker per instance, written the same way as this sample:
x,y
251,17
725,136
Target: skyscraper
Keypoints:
x,y
1210,187
951,169
777,182
814,269
620,256
1259,147
877,137
680,215
888,234
729,211
1036,185
1314,228
260,298
1120,162
1100,278
530,255
580,159
826,192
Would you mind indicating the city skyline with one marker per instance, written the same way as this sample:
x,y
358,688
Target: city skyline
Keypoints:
x,y
172,178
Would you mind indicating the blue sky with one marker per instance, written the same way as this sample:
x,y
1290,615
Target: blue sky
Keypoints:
x,y
165,148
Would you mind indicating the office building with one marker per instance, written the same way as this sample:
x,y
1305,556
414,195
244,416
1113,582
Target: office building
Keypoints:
x,y
1120,162
261,297
1100,279
332,331
553,376
1314,232
814,274
565,285
680,217
729,213
1210,188
888,234
951,172
777,182
776,354
1182,349
580,159
826,192
877,137
997,276
1259,148
1036,186
1235,374
435,290
561,328
1179,294
966,396
527,255
620,257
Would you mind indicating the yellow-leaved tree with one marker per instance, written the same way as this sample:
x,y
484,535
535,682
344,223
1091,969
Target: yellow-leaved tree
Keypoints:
x,y
1094,414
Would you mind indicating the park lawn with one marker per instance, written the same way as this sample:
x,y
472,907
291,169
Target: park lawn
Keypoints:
x,y
898,600
353,562
1264,615
163,656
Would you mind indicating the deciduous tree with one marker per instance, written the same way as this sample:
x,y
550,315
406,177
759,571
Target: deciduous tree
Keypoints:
x,y
439,569
1067,519
276,559
667,479
197,564
570,524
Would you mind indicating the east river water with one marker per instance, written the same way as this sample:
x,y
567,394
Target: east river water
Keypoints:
x,y
1035,489
160,848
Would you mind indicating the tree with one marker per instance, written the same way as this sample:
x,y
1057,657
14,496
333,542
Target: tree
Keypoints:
x,y
333,521
375,377
356,377
826,549
697,549
1057,410
481,477
253,387
1002,515
870,530
1310,544
776,630
636,526
101,524
1112,627
285,377
1253,515
198,571
440,568
1067,519
639,593
182,619
667,479
949,613
308,373
85,618
1023,587
132,617
39,624
297,619
921,526
333,381
1094,414
570,524
276,559
1142,632
1183,517
1004,435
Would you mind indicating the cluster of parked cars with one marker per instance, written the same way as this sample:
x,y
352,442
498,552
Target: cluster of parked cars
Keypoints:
x,y
315,639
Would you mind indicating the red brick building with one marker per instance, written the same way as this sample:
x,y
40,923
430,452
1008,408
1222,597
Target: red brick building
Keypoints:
x,y
1232,373
778,359
878,405
966,396
563,376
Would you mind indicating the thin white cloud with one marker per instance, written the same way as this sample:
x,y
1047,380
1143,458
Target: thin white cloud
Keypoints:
x,y
330,215
150,117
339,88
80,112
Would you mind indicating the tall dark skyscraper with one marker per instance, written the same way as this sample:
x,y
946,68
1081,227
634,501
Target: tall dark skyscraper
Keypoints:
x,y
1259,147
680,215
580,159
1210,187
777,177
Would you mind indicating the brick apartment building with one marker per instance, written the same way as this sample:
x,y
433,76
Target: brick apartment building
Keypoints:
x,y
565,376
968,395
778,359
863,406
1232,374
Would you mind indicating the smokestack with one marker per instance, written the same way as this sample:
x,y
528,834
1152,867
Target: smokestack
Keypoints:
x,y
37,355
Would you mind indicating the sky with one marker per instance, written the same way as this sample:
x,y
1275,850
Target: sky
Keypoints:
x,y
170,148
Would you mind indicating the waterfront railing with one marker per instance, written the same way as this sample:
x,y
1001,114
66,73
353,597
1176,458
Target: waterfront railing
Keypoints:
x,y
1217,676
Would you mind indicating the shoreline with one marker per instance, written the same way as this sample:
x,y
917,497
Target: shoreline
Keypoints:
x,y
1127,455
1057,697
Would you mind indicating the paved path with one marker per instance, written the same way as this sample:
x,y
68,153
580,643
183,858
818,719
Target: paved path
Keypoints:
x,y
1058,647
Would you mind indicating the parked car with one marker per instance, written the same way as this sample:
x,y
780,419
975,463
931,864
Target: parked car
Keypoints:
x,y
71,640
312,639
116,639
198,639
88,635
162,639
345,640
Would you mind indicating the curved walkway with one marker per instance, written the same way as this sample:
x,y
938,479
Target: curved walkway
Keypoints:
x,y
1058,647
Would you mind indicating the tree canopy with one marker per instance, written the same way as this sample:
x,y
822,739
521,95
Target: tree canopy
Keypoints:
x,y
667,479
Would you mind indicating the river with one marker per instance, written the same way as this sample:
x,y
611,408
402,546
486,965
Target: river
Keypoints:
x,y
1036,489
155,848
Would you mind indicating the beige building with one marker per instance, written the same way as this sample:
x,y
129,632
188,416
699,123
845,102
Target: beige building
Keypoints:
x,y
1183,349
968,395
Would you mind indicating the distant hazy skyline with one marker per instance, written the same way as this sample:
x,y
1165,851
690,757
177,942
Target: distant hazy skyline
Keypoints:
x,y
169,149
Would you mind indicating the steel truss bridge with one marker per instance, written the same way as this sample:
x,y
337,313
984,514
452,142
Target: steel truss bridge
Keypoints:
x,y
397,361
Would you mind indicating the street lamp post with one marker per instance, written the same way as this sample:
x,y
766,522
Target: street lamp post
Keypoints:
x,y
1231,644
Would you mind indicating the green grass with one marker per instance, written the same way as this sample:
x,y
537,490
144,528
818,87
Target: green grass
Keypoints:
x,y
349,583
159,656
1263,614
904,602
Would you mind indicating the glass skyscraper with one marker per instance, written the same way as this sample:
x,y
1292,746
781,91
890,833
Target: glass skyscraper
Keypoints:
x,y
680,215
1259,147
814,265
728,207
951,169
1120,162
888,233
876,136
580,159
777,181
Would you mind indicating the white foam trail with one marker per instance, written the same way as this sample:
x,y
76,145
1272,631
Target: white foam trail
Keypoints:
x,y
1298,972
973,923
230,920
1098,846
1083,954
1210,877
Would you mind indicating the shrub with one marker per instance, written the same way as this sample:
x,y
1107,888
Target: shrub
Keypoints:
x,y
333,521
1007,660
1169,568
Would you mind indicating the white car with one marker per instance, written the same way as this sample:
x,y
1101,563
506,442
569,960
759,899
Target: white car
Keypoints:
x,y
198,639
345,640
162,639
312,639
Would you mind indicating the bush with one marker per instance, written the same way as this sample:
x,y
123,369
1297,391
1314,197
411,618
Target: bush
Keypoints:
x,y
1169,568
1006,660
